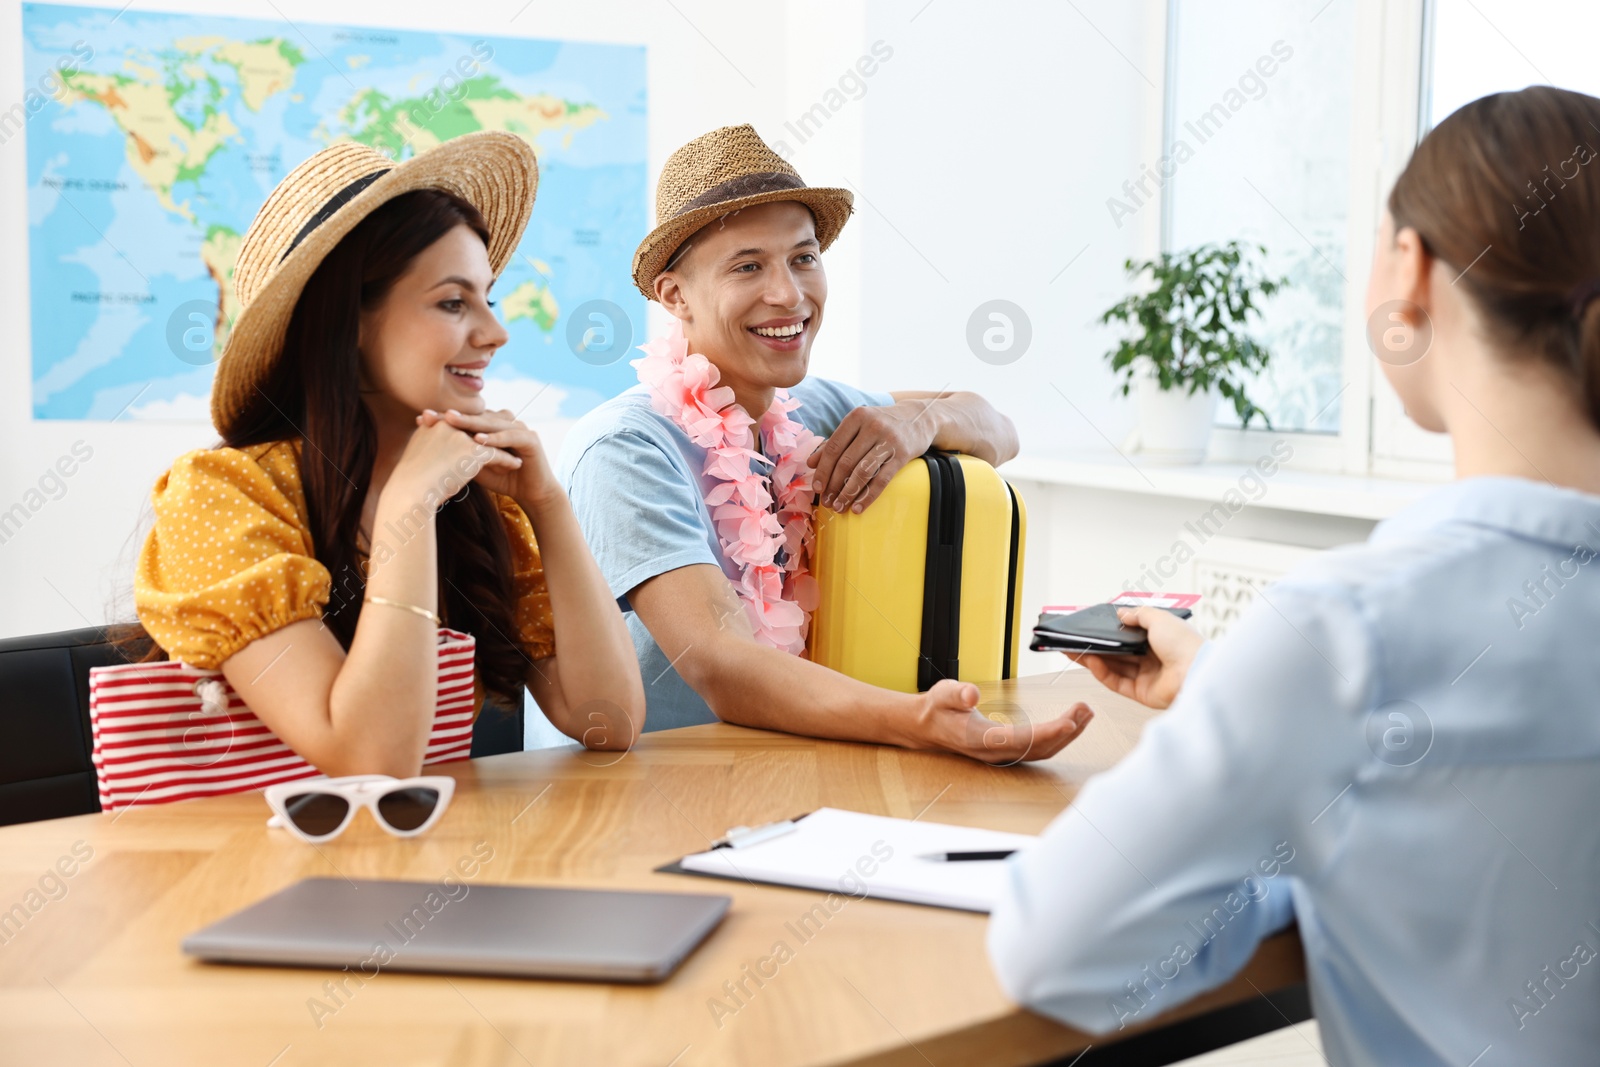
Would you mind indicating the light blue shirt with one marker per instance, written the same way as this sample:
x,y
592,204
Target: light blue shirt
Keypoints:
x,y
637,487
1399,747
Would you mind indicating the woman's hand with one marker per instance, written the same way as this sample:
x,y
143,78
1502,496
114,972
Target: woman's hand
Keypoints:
x,y
1154,679
440,459
529,481
949,719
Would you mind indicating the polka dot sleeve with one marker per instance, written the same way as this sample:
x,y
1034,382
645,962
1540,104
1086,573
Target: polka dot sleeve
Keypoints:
x,y
537,630
229,559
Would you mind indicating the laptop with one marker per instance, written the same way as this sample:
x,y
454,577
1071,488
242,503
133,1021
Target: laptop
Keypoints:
x,y
460,928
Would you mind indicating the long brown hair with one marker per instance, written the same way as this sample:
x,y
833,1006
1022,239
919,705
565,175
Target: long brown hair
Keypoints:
x,y
313,396
1507,190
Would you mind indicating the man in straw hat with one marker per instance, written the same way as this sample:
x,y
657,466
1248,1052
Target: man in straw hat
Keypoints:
x,y
694,489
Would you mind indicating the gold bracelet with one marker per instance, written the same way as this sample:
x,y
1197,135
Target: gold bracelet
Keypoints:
x,y
386,602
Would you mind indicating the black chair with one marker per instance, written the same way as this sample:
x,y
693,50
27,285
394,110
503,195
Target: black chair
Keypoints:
x,y
46,743
497,731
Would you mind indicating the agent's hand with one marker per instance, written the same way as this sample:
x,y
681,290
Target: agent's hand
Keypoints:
x,y
949,719
1154,679
870,446
439,460
529,481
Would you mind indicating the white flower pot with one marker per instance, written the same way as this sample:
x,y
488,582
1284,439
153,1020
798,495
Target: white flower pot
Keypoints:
x,y
1174,427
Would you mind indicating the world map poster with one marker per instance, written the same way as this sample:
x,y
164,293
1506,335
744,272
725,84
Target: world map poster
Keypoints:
x,y
153,138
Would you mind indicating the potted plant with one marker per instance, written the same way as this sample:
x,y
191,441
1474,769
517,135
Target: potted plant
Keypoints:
x,y
1187,343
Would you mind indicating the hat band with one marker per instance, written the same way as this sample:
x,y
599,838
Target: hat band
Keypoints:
x,y
742,186
335,202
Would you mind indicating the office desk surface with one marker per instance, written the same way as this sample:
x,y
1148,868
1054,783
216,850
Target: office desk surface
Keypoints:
x,y
90,971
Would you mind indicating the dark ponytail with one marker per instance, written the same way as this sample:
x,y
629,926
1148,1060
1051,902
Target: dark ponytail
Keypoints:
x,y
1507,192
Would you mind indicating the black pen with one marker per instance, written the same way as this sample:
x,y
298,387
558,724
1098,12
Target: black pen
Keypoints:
x,y
956,857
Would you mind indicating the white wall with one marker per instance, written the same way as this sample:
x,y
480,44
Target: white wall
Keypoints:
x,y
993,141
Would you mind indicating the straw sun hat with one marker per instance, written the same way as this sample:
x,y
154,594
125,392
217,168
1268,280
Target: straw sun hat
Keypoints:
x,y
716,175
320,202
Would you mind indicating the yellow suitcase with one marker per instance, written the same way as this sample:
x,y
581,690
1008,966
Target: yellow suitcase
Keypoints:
x,y
926,583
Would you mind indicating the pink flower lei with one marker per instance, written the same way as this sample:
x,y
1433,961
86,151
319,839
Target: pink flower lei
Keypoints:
x,y
778,597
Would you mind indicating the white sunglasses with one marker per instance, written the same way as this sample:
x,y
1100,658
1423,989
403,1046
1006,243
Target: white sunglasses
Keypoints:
x,y
316,809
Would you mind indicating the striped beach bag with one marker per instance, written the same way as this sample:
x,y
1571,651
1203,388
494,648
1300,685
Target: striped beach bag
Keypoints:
x,y
168,731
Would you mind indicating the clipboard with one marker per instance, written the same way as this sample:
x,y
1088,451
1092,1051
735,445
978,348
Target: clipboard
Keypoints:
x,y
857,855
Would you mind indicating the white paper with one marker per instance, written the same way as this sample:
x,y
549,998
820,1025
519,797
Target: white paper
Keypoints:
x,y
854,854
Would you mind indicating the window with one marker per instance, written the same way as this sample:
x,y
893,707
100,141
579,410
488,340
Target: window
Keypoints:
x,y
1467,49
1298,152
1257,129
1302,160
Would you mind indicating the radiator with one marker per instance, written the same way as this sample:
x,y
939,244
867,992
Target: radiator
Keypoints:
x,y
1228,571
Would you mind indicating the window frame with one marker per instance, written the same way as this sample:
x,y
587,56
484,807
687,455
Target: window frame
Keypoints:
x,y
1392,60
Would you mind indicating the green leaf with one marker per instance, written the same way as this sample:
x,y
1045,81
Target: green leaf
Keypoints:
x,y
1189,321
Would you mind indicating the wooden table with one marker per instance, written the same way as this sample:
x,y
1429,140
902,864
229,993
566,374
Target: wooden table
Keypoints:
x,y
92,973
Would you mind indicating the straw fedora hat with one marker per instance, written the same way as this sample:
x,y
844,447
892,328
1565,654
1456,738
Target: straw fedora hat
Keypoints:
x,y
715,175
321,201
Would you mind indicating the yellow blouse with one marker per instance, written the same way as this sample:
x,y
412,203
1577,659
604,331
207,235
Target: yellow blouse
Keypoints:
x,y
230,558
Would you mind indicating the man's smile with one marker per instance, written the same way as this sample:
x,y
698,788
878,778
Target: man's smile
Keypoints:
x,y
785,334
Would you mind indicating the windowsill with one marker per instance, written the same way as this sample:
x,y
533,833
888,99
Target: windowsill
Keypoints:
x,y
1312,492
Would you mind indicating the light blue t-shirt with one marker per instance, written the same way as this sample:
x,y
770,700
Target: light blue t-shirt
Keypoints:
x,y
636,486
1397,746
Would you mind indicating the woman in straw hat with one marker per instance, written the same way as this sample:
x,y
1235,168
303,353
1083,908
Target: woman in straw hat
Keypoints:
x,y
362,495
695,489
